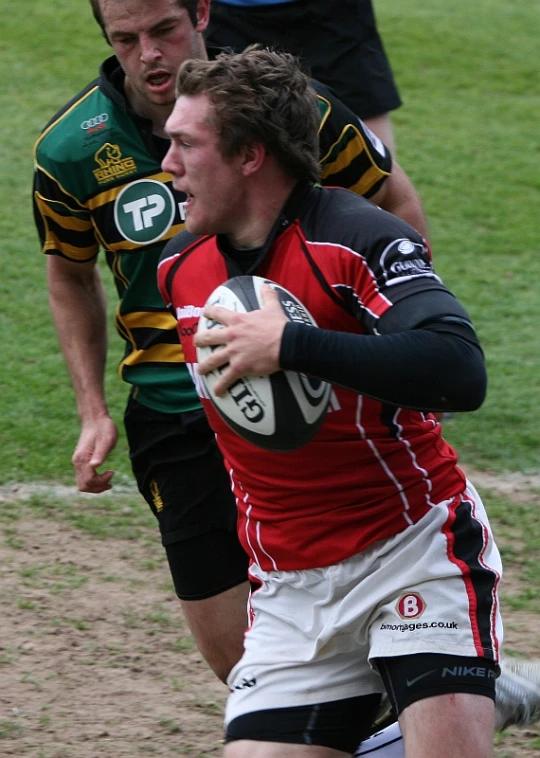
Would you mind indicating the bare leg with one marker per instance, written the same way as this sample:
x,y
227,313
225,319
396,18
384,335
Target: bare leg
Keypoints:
x,y
218,624
449,726
251,749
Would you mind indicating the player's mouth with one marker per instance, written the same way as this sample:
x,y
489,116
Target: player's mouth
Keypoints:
x,y
159,81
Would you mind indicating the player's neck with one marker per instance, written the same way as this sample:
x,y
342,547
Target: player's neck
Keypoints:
x,y
157,114
259,215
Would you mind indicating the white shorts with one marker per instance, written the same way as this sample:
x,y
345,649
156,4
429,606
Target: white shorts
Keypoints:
x,y
430,589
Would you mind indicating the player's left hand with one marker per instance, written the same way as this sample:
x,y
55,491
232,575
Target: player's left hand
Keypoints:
x,y
249,342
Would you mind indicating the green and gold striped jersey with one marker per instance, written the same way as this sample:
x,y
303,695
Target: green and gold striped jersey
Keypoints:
x,y
98,184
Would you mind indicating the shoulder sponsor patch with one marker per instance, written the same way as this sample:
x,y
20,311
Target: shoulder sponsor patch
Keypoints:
x,y
375,141
404,259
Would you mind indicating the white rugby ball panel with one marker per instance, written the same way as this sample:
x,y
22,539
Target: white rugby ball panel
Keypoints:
x,y
280,412
228,298
247,405
310,394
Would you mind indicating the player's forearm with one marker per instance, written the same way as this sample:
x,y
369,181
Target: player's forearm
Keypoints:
x,y
417,369
78,307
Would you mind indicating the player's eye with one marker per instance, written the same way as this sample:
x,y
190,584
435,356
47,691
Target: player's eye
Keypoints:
x,y
124,40
164,30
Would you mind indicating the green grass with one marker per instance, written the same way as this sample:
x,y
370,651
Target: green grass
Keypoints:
x,y
515,526
10,730
467,135
123,516
48,52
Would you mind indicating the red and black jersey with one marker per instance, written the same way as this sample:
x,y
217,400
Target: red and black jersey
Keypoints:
x,y
372,469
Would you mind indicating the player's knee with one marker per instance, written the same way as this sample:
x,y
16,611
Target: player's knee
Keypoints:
x,y
218,624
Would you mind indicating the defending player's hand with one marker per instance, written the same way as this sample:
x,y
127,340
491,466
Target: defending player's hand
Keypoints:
x,y
96,441
248,342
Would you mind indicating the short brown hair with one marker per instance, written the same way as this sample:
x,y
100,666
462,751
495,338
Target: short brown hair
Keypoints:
x,y
189,5
260,96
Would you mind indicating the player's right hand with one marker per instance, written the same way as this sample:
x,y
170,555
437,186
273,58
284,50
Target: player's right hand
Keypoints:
x,y
96,441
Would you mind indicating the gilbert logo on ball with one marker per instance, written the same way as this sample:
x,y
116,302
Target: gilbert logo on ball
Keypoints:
x,y
280,412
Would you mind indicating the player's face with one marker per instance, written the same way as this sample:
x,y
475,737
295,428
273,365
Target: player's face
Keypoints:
x,y
151,38
214,185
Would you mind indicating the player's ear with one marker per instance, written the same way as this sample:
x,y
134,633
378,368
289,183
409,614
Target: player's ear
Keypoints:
x,y
254,156
203,15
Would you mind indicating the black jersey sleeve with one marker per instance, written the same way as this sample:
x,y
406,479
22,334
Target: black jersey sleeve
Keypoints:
x,y
351,155
426,356
64,226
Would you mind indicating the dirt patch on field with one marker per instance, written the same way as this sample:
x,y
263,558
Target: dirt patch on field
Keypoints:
x,y
518,487
95,658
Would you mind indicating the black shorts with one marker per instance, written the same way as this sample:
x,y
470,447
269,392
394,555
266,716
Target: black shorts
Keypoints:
x,y
342,724
338,41
180,473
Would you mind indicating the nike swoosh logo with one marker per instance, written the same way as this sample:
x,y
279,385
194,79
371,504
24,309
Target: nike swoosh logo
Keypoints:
x,y
410,682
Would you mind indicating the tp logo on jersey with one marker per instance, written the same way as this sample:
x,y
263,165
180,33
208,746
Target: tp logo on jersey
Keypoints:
x,y
404,259
144,211
410,606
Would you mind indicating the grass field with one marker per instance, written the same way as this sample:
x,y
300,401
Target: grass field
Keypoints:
x,y
467,135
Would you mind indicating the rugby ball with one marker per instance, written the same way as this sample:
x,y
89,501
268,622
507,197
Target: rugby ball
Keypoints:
x,y
280,412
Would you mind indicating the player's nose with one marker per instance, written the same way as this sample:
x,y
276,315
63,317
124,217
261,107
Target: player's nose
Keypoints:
x,y
172,163
149,50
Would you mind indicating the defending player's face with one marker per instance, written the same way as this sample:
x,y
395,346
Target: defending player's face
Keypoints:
x,y
214,185
151,38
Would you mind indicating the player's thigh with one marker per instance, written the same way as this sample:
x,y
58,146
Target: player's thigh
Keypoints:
x,y
412,678
180,473
250,749
304,677
336,725
449,726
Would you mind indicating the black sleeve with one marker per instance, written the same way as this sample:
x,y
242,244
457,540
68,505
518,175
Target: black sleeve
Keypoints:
x,y
436,365
351,155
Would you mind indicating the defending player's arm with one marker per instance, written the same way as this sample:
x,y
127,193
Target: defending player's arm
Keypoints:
x,y
398,196
78,306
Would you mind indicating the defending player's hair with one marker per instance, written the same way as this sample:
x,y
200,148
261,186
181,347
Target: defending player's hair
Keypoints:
x,y
189,5
260,96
